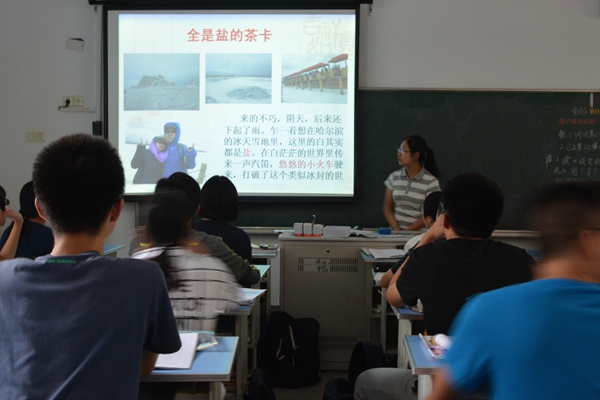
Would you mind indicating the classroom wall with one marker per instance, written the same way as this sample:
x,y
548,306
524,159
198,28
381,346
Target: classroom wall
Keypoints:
x,y
481,44
470,44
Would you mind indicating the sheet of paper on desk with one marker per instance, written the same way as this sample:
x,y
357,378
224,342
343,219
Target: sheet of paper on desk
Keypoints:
x,y
377,277
247,296
386,253
183,358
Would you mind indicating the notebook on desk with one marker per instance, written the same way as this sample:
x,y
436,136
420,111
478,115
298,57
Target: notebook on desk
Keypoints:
x,y
184,357
379,254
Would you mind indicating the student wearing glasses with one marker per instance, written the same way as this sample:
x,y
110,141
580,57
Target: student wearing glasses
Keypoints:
x,y
9,249
407,187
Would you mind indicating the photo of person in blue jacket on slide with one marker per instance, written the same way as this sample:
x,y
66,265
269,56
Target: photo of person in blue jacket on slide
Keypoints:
x,y
180,158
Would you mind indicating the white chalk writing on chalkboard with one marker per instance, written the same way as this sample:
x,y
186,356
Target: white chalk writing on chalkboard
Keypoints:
x,y
577,154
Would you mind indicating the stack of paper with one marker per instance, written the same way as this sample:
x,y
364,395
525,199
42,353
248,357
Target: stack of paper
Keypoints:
x,y
206,340
386,253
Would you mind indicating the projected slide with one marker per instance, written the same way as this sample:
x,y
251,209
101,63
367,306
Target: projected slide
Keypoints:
x,y
265,98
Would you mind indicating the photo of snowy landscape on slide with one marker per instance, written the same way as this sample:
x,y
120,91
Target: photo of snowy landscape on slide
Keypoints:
x,y
238,78
161,82
314,78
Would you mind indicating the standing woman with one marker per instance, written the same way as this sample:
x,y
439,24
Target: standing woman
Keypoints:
x,y
407,188
8,250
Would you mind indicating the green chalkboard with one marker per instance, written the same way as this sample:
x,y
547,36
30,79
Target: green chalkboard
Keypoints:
x,y
520,139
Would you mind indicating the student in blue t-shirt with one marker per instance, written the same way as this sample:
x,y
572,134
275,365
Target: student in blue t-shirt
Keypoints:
x,y
536,340
75,324
35,238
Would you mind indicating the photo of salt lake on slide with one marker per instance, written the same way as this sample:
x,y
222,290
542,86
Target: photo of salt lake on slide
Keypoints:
x,y
238,79
161,82
314,78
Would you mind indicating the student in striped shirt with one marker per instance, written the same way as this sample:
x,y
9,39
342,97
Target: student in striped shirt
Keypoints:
x,y
407,188
201,287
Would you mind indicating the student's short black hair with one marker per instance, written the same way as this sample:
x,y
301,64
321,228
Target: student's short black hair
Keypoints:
x,y
77,179
473,204
180,182
560,211
219,200
168,223
432,204
27,201
2,199
168,217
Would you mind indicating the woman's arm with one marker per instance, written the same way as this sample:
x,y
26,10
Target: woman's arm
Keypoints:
x,y
9,249
388,210
418,224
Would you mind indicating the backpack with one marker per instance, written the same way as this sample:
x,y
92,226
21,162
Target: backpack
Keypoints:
x,y
364,356
288,351
259,387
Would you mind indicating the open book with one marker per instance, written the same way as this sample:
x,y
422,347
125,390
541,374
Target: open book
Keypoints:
x,y
184,357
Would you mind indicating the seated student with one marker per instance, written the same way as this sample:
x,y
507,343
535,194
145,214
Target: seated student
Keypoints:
x,y
540,330
74,324
430,209
35,239
244,272
219,205
443,274
201,287
9,248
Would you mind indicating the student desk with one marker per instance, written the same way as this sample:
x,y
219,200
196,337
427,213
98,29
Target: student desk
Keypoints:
x,y
327,279
211,365
264,282
405,317
383,314
266,254
265,278
110,250
421,363
243,316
